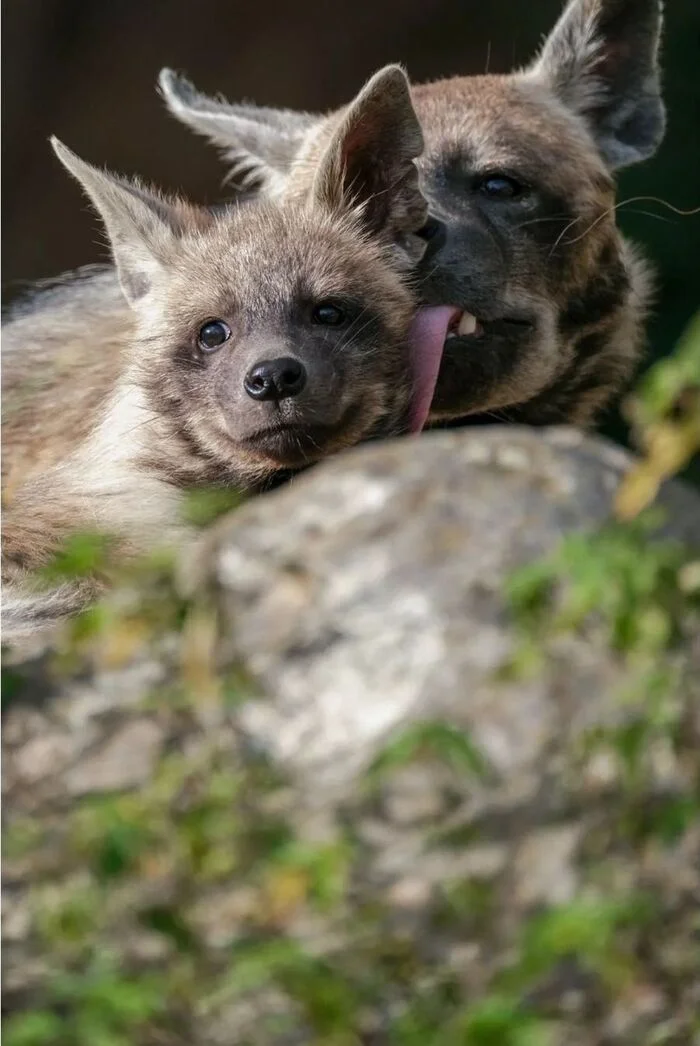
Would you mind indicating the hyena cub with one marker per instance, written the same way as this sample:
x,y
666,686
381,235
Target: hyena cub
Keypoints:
x,y
226,346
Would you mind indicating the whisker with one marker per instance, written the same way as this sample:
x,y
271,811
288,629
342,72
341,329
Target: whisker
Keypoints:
x,y
549,218
650,214
353,335
664,203
610,210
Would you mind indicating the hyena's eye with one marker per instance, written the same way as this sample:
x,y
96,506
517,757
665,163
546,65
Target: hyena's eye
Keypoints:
x,y
499,187
213,335
330,313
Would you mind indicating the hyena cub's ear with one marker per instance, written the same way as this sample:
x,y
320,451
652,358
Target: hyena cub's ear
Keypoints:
x,y
367,161
259,143
142,227
601,59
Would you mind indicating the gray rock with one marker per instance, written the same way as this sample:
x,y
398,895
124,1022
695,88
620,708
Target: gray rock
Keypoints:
x,y
357,603
126,761
369,594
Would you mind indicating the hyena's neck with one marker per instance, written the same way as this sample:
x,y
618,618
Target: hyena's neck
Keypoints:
x,y
100,485
108,468
63,354
602,331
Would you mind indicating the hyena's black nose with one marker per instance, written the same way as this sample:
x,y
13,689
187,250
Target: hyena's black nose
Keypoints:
x,y
434,234
275,379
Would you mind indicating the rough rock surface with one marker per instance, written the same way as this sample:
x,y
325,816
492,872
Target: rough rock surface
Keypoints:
x,y
337,808
374,596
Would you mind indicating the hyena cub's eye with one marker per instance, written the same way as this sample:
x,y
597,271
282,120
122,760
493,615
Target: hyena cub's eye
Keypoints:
x,y
499,187
330,314
213,335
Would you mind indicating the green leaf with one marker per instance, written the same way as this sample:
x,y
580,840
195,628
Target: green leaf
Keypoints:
x,y
40,1028
433,739
82,555
202,507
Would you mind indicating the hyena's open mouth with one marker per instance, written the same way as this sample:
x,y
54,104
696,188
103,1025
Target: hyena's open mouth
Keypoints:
x,y
449,344
442,337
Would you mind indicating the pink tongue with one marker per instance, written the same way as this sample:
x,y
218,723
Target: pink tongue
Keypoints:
x,y
426,341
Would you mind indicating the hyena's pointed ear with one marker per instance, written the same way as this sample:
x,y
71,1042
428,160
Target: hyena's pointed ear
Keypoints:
x,y
142,226
368,163
601,59
259,143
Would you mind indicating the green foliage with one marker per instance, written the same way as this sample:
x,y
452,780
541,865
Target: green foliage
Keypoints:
x,y
632,586
182,823
86,554
327,1000
644,590
69,922
11,685
469,903
205,505
324,869
432,740
114,833
497,1021
665,820
101,1006
586,930
665,415
619,575
672,386
35,1028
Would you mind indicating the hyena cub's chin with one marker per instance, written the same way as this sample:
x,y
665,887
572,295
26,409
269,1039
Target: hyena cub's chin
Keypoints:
x,y
540,303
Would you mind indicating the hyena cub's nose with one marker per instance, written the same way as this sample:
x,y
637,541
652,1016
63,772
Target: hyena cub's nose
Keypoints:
x,y
275,379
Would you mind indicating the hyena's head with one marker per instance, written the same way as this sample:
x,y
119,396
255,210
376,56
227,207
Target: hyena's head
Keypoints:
x,y
548,301
271,334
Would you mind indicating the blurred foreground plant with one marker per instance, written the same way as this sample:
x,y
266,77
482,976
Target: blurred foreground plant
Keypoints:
x,y
665,415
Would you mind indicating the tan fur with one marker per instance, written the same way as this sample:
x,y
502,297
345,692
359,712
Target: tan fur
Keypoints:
x,y
515,123
111,410
560,297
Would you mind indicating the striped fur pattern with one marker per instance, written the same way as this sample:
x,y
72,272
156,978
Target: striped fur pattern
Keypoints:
x,y
519,172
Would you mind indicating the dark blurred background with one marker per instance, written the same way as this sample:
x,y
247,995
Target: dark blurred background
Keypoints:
x,y
85,70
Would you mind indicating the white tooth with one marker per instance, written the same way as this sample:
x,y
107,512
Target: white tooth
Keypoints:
x,y
467,324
